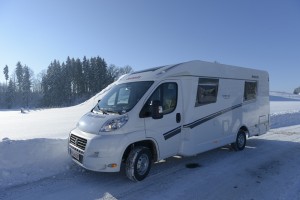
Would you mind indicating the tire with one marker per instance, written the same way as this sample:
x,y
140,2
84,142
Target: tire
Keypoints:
x,y
138,163
240,141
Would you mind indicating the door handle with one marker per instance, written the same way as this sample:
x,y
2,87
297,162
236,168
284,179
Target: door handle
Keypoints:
x,y
178,117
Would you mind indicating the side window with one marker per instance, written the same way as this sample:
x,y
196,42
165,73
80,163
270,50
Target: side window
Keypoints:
x,y
207,91
166,93
250,90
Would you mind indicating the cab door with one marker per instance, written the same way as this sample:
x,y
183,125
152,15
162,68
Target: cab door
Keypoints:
x,y
166,129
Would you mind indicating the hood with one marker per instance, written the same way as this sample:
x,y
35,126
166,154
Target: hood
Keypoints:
x,y
92,122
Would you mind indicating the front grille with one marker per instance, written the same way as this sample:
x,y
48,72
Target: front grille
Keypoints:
x,y
78,141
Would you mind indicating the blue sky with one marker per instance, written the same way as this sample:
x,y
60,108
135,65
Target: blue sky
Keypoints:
x,y
251,33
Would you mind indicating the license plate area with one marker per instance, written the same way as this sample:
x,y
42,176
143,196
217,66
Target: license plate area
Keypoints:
x,y
76,155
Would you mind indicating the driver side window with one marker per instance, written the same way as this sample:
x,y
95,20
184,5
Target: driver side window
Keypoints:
x,y
166,94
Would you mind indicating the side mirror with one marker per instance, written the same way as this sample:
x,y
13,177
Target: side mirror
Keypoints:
x,y
156,110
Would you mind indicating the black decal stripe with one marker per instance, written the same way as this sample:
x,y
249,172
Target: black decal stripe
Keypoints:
x,y
172,133
209,117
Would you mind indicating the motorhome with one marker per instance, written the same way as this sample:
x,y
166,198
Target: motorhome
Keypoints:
x,y
181,109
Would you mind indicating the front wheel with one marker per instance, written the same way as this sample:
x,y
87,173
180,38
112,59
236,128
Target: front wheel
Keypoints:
x,y
240,141
138,163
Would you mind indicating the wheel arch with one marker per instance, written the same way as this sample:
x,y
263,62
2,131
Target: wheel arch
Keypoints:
x,y
245,129
145,143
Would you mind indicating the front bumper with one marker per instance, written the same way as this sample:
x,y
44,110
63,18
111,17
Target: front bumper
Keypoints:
x,y
101,153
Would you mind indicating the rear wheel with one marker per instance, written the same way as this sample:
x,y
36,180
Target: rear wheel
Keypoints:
x,y
240,141
138,163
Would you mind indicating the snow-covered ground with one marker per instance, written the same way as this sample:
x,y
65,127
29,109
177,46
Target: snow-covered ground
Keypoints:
x,y
34,163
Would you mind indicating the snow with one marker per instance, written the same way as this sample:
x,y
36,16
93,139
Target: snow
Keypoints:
x,y
34,163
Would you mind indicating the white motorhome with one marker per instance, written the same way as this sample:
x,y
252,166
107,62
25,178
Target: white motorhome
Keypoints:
x,y
182,109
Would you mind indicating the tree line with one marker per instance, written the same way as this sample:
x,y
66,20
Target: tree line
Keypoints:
x,y
62,84
17,90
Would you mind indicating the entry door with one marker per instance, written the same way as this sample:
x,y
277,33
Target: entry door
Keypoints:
x,y
167,130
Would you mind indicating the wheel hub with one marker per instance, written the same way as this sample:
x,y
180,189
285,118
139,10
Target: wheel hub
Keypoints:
x,y
142,164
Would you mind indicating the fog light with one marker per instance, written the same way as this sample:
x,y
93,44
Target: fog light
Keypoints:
x,y
113,165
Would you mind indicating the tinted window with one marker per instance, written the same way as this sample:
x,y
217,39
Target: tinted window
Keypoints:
x,y
207,91
250,90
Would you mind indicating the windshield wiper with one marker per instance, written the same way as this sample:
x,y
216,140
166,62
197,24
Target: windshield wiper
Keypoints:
x,y
97,109
112,111
104,112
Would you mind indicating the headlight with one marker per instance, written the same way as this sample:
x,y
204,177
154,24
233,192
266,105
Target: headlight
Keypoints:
x,y
114,124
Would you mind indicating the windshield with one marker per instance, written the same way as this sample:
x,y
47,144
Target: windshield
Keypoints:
x,y
122,98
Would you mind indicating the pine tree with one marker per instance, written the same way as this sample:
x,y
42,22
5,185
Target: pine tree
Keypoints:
x,y
100,75
5,71
19,74
67,81
52,85
72,73
26,85
86,75
10,94
78,78
92,76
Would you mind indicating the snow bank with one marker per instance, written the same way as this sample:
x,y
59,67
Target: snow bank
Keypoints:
x,y
285,119
281,107
25,161
284,113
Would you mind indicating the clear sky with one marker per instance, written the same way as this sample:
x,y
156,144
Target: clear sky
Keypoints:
x,y
262,34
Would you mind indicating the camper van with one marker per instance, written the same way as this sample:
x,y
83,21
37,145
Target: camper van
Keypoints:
x,y
182,109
